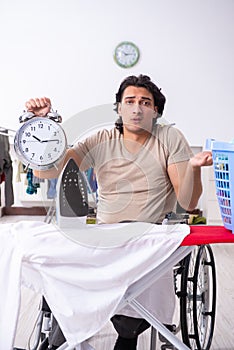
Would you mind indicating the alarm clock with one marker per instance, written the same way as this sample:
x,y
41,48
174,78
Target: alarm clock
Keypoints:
x,y
40,143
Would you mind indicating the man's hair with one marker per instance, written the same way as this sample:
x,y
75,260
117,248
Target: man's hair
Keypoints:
x,y
140,81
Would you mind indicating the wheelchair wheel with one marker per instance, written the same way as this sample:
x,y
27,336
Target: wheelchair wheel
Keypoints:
x,y
198,298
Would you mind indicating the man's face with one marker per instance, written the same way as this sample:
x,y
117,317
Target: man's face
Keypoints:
x,y
137,109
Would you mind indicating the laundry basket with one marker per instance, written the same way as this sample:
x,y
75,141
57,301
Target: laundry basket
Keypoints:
x,y
223,160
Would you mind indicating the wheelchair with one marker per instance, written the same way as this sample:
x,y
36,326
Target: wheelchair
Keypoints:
x,y
197,297
194,285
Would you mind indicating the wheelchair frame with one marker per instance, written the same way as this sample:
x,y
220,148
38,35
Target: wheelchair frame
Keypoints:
x,y
198,298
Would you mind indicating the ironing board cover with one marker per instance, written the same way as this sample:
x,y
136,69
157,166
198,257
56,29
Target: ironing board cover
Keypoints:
x,y
208,235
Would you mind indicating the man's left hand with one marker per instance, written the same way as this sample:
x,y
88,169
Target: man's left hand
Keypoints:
x,y
202,159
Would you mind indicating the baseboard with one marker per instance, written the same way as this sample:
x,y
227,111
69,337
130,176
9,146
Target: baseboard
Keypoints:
x,y
23,211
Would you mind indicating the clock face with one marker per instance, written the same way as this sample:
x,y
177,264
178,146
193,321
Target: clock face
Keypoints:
x,y
40,142
126,54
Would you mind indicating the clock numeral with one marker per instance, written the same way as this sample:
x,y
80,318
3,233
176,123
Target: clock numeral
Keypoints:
x,y
55,149
41,157
26,149
40,126
28,134
55,133
33,154
24,141
49,155
33,128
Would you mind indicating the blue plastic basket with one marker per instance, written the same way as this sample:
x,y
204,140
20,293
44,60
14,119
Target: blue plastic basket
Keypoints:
x,y
223,159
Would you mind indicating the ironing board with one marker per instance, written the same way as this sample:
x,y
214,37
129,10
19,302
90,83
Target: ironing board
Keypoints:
x,y
199,235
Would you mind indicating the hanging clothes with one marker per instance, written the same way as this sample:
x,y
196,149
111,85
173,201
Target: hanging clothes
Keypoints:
x,y
51,190
32,185
6,169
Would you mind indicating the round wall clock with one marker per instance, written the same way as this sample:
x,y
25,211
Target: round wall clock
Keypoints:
x,y
40,143
126,54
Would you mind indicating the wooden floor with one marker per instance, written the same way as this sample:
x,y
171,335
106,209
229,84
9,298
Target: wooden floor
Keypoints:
x,y
223,336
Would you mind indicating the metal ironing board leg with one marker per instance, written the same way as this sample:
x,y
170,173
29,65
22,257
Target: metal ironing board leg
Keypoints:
x,y
153,338
157,325
138,287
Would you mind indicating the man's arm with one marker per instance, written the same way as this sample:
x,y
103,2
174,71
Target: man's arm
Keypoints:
x,y
186,179
56,170
41,107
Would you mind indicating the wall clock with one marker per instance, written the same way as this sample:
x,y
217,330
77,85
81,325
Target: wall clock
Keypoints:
x,y
126,54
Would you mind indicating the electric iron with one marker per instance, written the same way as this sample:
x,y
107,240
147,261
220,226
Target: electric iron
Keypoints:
x,y
72,197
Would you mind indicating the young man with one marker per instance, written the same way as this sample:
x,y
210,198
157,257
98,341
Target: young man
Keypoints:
x,y
142,170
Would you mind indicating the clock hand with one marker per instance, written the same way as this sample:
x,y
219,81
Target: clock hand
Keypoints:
x,y
36,138
49,140
127,53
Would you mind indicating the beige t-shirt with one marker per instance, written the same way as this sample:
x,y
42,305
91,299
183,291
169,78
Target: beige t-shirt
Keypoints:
x,y
135,186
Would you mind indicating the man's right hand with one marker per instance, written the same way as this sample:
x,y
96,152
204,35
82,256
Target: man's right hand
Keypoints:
x,y
39,106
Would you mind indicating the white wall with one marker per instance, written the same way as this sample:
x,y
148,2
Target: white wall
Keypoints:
x,y
64,49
